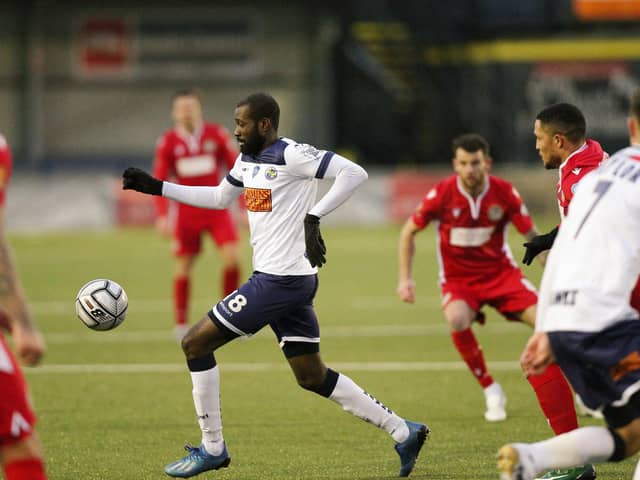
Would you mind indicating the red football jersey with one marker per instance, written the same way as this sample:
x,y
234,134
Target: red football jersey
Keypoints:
x,y
472,232
6,165
198,159
576,166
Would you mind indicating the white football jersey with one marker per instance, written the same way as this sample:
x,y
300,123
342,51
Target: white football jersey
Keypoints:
x,y
595,260
280,186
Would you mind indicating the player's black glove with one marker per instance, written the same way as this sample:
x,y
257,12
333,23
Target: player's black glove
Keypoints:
x,y
538,244
140,181
313,240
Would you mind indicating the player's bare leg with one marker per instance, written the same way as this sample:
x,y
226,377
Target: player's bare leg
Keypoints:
x,y
580,446
199,343
556,401
459,316
312,374
23,459
181,293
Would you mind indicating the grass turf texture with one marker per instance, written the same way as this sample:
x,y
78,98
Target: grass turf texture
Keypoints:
x,y
100,417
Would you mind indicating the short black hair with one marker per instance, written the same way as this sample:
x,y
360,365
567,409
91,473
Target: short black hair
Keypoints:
x,y
262,105
635,104
470,142
565,119
186,92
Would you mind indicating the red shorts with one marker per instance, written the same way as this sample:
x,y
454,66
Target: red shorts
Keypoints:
x,y
16,415
508,292
189,229
635,296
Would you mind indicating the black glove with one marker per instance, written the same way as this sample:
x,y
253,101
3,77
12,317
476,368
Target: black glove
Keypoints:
x,y
539,244
140,181
313,241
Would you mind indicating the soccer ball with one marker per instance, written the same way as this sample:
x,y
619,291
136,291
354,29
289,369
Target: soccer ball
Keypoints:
x,y
101,304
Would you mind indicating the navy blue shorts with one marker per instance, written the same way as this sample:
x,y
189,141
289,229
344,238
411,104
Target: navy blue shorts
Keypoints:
x,y
285,303
603,368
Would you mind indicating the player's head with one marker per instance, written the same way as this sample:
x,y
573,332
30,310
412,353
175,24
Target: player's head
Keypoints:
x,y
560,130
634,118
186,109
256,118
471,160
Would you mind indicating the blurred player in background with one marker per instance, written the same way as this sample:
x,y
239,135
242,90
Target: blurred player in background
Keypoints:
x,y
585,319
20,449
473,210
195,152
560,132
279,178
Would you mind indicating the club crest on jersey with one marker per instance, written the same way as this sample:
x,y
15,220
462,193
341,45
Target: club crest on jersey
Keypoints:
x,y
270,173
179,151
456,212
256,169
208,146
495,213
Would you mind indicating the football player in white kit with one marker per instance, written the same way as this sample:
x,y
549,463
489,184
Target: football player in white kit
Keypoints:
x,y
585,321
279,179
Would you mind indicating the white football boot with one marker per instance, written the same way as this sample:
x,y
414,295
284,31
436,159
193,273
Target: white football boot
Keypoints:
x,y
496,403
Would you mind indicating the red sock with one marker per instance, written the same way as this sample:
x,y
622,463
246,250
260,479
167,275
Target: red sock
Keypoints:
x,y
555,399
181,299
28,469
230,280
466,343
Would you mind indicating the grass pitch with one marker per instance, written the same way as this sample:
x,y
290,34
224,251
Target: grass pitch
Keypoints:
x,y
117,405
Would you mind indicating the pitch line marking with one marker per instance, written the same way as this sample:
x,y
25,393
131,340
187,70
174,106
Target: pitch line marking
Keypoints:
x,y
157,305
120,368
82,335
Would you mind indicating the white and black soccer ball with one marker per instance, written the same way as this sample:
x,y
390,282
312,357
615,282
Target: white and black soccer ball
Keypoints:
x,y
101,304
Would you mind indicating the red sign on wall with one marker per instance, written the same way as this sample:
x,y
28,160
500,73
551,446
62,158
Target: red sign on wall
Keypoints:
x,y
104,46
406,190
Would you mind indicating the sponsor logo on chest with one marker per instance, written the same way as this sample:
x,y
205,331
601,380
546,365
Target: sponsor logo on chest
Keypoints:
x,y
195,166
258,199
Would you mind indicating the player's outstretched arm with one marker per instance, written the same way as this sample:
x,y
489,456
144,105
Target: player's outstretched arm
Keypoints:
x,y
538,244
28,341
406,250
140,181
214,198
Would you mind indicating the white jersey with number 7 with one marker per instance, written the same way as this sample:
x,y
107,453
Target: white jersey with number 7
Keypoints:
x,y
595,260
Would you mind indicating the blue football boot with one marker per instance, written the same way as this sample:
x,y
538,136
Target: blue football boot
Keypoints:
x,y
198,461
410,448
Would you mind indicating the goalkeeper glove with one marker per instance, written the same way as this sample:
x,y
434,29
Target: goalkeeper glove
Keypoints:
x,y
140,181
538,244
315,247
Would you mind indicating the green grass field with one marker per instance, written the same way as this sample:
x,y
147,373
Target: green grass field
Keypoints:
x,y
117,405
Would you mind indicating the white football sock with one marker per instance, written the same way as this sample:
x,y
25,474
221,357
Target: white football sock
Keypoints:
x,y
356,401
578,447
206,398
636,475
